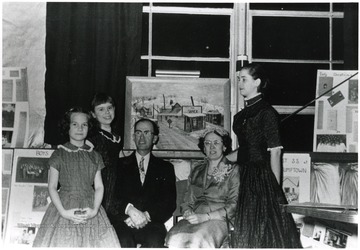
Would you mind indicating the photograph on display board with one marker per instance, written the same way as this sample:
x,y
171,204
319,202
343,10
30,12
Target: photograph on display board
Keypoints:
x,y
335,239
6,139
23,236
32,170
182,107
29,196
8,115
353,91
41,198
331,143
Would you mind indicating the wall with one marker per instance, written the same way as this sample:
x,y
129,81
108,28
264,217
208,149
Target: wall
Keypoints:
x,y
23,37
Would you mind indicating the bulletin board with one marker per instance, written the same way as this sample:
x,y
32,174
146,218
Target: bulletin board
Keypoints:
x,y
29,196
15,107
336,112
7,158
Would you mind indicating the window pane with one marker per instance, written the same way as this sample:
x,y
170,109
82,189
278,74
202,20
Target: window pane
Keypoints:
x,y
338,67
338,36
191,35
290,38
291,6
338,7
207,69
197,5
292,84
144,68
297,133
145,34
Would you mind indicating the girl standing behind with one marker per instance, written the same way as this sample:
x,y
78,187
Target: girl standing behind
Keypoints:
x,y
260,222
106,142
75,217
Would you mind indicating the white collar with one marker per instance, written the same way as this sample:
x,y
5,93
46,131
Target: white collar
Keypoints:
x,y
75,148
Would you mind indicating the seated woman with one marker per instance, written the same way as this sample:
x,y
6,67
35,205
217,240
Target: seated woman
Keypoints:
x,y
212,193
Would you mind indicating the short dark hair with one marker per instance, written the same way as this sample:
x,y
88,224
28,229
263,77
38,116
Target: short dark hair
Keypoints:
x,y
64,124
101,98
154,124
227,141
257,71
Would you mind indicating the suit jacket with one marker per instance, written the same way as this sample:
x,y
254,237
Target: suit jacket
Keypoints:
x,y
157,195
218,195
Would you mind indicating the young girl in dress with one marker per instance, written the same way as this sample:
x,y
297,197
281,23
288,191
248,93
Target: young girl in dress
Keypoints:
x,y
75,217
106,142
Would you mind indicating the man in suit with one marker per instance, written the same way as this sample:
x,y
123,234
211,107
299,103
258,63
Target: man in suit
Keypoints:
x,y
145,195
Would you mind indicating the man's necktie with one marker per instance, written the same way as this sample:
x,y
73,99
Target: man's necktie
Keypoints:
x,y
142,170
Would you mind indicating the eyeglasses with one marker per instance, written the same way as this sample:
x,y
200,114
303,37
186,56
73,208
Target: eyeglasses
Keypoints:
x,y
145,133
215,143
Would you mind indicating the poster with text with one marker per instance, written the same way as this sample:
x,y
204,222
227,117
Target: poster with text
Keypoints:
x,y
296,177
336,123
29,196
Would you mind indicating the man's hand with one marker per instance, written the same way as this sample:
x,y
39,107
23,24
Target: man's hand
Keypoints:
x,y
129,222
139,218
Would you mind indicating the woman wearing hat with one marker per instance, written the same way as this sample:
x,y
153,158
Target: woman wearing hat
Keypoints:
x,y
211,197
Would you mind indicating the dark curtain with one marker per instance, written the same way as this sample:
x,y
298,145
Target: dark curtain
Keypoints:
x,y
351,36
90,47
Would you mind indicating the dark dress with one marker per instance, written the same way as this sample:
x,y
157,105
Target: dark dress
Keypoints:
x,y
77,169
109,146
260,222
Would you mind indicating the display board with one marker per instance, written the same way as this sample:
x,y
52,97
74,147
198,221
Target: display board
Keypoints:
x,y
7,158
15,108
336,112
29,196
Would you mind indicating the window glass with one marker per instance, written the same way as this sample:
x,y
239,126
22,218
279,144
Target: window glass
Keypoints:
x,y
292,84
207,69
144,68
338,7
191,35
290,38
197,5
338,67
291,6
145,34
297,133
338,36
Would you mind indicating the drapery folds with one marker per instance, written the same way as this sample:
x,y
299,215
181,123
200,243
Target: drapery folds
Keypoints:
x,y
90,47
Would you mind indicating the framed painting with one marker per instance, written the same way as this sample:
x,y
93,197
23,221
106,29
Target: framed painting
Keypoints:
x,y
182,107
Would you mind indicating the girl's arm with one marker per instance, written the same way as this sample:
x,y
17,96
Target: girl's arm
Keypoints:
x,y
54,195
275,162
99,192
232,156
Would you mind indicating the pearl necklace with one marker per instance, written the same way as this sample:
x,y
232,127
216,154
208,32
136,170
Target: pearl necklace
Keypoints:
x,y
111,139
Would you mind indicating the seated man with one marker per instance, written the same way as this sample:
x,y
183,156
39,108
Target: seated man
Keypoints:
x,y
145,192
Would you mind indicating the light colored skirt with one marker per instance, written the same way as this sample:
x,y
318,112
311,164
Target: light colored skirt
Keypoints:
x,y
209,234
